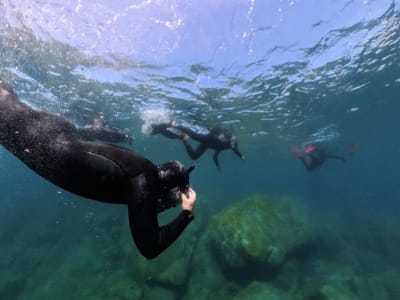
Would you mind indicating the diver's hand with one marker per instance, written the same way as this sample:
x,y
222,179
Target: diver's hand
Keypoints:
x,y
188,199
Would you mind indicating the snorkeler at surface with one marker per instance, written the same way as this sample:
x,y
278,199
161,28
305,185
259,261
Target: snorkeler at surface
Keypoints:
x,y
313,156
52,147
99,132
217,139
105,135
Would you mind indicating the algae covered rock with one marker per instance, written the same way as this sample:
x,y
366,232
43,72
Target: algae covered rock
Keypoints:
x,y
260,229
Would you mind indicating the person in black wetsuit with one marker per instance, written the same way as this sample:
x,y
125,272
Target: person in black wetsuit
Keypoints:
x,y
51,146
313,156
217,139
105,135
98,132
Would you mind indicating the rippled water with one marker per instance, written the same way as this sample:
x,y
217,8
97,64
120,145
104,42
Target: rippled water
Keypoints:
x,y
279,74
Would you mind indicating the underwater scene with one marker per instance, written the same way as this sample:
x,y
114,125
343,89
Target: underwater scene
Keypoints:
x,y
287,109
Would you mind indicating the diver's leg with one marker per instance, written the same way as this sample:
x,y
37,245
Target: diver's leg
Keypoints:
x,y
164,129
157,128
305,163
335,157
194,154
172,135
191,133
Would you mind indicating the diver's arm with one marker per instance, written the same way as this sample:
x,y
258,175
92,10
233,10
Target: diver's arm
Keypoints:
x,y
150,238
216,161
237,152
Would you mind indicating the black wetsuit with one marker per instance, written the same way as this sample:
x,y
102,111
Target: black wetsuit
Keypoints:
x,y
167,130
217,139
102,134
51,147
316,158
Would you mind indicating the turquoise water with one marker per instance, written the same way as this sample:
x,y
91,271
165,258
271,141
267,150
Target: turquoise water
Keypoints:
x,y
278,75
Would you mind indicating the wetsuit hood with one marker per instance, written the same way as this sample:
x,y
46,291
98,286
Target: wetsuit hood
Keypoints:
x,y
173,180
174,175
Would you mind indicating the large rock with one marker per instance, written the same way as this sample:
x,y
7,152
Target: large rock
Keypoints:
x,y
259,230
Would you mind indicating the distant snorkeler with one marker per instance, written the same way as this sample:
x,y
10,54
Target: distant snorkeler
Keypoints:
x,y
217,139
104,134
99,132
314,155
53,148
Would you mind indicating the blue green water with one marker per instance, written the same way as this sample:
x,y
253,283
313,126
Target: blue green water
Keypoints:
x,y
330,74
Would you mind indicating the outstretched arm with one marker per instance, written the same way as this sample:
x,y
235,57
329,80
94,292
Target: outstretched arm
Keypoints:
x,y
237,152
150,238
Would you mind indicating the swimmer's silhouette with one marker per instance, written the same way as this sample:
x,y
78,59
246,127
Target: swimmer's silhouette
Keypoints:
x,y
314,155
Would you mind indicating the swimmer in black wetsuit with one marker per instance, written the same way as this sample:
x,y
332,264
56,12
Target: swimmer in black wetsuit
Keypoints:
x,y
105,135
98,132
217,139
313,156
51,147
